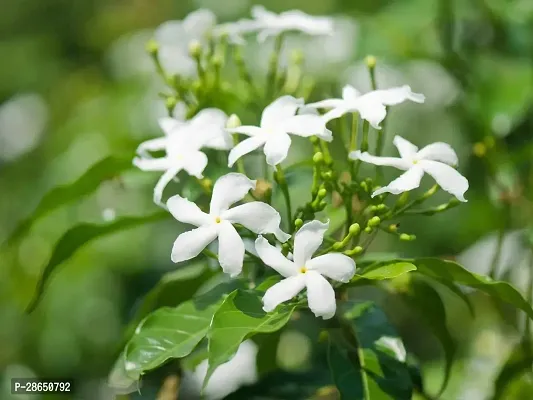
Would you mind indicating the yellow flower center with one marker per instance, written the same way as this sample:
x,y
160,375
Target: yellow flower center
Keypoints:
x,y
303,270
415,161
217,220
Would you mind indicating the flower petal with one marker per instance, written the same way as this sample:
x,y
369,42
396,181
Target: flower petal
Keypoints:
x,y
409,180
249,130
388,161
259,217
349,93
264,34
336,113
276,148
438,151
327,103
320,295
230,249
164,181
245,147
279,110
397,95
448,178
169,125
307,240
406,149
229,189
371,111
272,257
186,211
306,126
194,163
152,145
198,22
283,291
152,164
189,244
211,123
336,266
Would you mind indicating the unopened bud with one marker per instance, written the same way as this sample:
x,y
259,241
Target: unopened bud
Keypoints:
x,y
393,228
152,47
217,61
313,140
407,238
322,193
318,157
374,222
479,149
195,49
263,189
322,205
371,61
355,251
368,229
364,186
327,175
233,122
355,229
298,223
171,102
402,200
206,183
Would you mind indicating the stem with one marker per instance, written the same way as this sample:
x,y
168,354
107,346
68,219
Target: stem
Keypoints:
x,y
240,161
355,129
279,177
529,297
364,147
253,256
209,254
497,253
273,67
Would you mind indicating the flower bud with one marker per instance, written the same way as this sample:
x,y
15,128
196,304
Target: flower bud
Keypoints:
x,y
479,149
233,122
297,57
152,47
355,251
370,61
298,223
322,193
374,222
337,245
263,189
393,228
402,200
217,61
407,238
368,229
322,205
313,140
364,186
355,229
171,103
318,157
327,175
195,49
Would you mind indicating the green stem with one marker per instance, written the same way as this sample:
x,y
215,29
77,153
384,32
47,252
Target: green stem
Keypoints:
x,y
240,161
210,254
364,147
272,73
279,177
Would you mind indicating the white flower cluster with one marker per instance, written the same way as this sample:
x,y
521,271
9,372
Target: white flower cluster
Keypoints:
x,y
183,143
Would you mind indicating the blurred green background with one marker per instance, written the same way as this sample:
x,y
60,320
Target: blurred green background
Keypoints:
x,y
76,86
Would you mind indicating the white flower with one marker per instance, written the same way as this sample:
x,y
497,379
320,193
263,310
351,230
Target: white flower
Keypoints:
x,y
278,119
256,216
272,24
371,106
305,271
434,159
174,38
182,143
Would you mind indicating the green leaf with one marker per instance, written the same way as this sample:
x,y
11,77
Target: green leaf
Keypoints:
x,y
367,358
62,195
426,301
518,363
384,271
239,317
172,332
78,236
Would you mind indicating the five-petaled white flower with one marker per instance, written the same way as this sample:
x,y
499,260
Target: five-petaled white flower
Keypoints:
x,y
256,216
182,143
435,159
371,106
278,119
272,24
305,271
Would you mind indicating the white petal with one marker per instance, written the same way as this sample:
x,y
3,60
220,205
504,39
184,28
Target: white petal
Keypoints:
x,y
247,130
189,244
194,163
406,149
210,123
438,151
276,148
279,110
306,126
409,180
327,103
229,189
371,111
163,182
198,22
283,291
186,211
245,147
336,113
264,34
152,164
272,257
152,145
336,266
447,177
388,161
307,240
320,295
397,95
258,217
349,93
260,12
168,31
169,125
230,249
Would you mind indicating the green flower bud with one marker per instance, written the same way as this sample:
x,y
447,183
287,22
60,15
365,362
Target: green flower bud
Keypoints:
x,y
217,61
322,193
337,245
170,103
318,158
233,122
195,49
355,251
313,139
298,223
322,205
327,175
374,222
393,228
355,229
364,186
402,200
152,47
195,86
407,238
370,61
368,229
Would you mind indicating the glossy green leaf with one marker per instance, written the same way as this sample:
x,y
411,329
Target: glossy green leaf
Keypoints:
x,y
77,237
172,332
367,357
239,317
383,271
62,195
425,300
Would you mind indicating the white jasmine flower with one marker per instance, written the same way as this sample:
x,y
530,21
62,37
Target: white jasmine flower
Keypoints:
x,y
435,159
305,271
174,38
256,216
182,143
278,120
272,24
371,106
